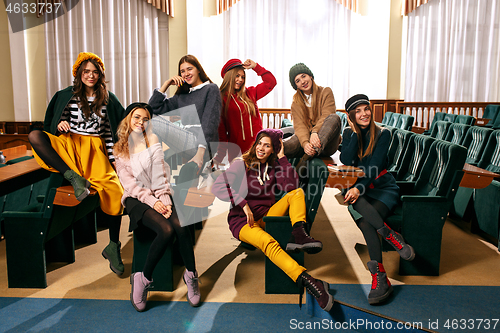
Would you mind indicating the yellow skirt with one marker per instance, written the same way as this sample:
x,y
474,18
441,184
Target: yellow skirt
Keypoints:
x,y
87,156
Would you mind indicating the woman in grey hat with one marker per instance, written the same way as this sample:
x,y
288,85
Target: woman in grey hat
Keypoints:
x,y
316,125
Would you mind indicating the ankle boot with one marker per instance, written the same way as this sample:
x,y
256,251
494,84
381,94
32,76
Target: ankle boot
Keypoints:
x,y
396,240
317,288
139,293
191,281
80,185
381,287
112,253
301,240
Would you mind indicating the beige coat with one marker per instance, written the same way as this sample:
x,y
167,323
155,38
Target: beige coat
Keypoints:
x,y
307,121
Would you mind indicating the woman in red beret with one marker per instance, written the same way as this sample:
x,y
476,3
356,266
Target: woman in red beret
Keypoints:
x,y
77,140
250,184
240,118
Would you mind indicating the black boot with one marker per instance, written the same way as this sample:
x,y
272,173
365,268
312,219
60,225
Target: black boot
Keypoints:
x,y
300,240
317,288
381,287
396,240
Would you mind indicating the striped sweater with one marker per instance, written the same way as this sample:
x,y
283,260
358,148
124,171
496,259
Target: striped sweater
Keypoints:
x,y
94,126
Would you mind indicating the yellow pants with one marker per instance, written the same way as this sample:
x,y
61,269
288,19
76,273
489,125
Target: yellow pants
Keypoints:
x,y
294,202
87,156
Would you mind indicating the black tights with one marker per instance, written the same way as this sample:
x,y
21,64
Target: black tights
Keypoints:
x,y
40,142
374,213
165,229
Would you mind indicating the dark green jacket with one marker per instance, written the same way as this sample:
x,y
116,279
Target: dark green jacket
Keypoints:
x,y
114,110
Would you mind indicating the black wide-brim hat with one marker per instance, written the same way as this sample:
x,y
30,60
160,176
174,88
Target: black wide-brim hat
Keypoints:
x,y
139,105
356,100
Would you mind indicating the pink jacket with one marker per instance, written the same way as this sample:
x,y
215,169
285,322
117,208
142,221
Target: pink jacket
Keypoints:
x,y
145,176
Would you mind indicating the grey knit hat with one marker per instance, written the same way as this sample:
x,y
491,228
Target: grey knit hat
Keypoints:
x,y
296,70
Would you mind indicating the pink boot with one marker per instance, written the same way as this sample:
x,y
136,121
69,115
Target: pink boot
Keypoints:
x,y
193,294
139,293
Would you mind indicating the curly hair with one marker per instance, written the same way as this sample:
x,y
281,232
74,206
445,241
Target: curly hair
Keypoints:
x,y
250,156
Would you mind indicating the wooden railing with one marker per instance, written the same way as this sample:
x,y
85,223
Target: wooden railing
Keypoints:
x,y
424,111
272,117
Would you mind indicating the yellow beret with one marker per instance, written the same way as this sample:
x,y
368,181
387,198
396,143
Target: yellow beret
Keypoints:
x,y
83,56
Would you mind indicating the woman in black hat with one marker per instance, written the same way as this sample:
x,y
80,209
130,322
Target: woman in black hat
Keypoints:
x,y
147,198
373,196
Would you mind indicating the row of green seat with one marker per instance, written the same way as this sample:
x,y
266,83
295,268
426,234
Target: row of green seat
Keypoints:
x,y
38,231
408,154
398,120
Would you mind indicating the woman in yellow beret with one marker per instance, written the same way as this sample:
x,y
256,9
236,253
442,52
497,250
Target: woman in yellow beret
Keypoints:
x,y
77,140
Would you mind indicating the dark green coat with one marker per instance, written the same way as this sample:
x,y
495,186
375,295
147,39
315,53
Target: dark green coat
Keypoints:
x,y
114,111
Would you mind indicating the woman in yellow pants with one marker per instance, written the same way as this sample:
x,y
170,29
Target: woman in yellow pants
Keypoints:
x,y
250,184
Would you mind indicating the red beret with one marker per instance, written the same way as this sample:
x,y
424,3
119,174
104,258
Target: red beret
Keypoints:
x,y
230,64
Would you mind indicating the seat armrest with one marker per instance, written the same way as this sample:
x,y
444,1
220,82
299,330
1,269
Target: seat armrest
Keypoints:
x,y
405,187
423,198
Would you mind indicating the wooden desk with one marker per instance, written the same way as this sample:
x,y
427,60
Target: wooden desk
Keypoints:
x,y
16,152
475,177
19,175
343,177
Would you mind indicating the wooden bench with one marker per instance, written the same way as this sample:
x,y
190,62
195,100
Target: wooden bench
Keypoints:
x,y
42,232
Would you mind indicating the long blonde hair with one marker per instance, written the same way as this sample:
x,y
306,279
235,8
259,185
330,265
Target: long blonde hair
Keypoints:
x,y
373,129
121,148
300,98
227,90
250,156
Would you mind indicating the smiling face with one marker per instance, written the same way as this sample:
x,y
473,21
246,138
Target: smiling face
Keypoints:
x,y
139,120
264,149
90,75
239,80
363,115
190,74
304,83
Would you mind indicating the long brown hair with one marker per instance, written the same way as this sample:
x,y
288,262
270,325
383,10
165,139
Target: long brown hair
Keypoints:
x,y
300,98
373,130
191,59
250,156
227,90
121,148
101,92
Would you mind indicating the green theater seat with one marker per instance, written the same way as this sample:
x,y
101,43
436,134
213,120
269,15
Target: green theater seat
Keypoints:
x,y
421,215
487,200
280,227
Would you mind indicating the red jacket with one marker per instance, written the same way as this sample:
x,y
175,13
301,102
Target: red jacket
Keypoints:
x,y
235,126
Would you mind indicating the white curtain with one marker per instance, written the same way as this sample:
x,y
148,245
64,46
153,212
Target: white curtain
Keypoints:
x,y
453,52
278,34
130,37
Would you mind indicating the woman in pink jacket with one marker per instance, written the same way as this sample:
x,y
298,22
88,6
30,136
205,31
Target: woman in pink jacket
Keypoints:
x,y
147,198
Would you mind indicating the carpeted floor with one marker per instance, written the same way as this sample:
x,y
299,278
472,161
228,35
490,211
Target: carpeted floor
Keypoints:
x,y
87,296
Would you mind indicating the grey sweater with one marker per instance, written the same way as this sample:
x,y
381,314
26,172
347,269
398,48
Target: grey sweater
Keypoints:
x,y
208,103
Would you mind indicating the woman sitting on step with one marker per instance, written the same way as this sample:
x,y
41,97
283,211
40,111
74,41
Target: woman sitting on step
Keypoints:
x,y
373,196
250,184
147,198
